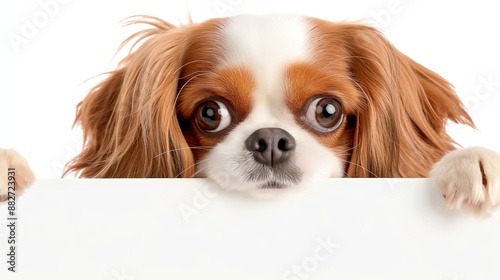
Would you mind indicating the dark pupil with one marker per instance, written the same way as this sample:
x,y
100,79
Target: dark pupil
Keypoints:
x,y
326,113
210,115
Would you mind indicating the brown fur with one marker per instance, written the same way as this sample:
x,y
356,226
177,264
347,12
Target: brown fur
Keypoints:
x,y
129,119
396,114
399,128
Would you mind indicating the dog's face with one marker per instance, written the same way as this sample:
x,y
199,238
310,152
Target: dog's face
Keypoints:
x,y
265,103
272,117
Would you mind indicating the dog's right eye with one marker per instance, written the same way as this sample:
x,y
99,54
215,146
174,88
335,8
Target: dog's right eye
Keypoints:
x,y
212,116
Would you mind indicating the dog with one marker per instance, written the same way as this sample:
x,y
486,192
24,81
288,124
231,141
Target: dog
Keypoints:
x,y
268,104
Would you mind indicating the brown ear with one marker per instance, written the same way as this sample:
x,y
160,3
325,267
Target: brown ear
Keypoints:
x,y
400,130
129,120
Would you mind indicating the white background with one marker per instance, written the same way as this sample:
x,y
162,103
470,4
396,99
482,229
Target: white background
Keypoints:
x,y
46,73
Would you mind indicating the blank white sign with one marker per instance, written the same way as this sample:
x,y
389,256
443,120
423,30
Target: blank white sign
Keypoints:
x,y
133,229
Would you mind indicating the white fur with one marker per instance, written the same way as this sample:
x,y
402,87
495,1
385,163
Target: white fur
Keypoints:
x,y
267,45
458,176
229,161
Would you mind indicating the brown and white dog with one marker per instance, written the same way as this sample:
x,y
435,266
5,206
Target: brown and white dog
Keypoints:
x,y
265,104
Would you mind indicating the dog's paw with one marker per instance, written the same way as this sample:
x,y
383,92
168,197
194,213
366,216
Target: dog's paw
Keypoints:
x,y
469,179
12,163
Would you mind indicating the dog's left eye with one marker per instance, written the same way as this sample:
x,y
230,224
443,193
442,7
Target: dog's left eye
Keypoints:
x,y
212,116
324,114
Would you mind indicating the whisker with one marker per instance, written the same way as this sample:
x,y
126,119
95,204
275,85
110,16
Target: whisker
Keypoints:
x,y
361,88
194,61
198,171
331,76
193,73
193,165
350,149
185,148
183,86
362,167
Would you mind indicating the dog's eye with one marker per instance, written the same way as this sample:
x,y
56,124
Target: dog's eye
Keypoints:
x,y
324,114
212,116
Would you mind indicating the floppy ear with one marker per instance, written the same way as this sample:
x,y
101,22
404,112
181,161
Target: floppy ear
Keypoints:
x,y
129,120
400,129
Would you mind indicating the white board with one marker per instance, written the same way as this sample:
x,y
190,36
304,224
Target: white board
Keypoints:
x,y
125,229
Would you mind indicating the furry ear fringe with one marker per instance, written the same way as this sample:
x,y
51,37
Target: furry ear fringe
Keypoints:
x,y
129,120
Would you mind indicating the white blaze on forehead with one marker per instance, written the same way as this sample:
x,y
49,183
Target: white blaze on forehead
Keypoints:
x,y
266,45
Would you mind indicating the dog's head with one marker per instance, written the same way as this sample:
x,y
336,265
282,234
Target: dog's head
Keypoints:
x,y
263,103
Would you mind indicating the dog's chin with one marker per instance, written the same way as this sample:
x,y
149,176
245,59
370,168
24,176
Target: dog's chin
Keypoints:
x,y
269,184
274,185
257,180
273,190
265,190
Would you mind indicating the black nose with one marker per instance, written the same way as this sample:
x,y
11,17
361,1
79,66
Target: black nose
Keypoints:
x,y
271,145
